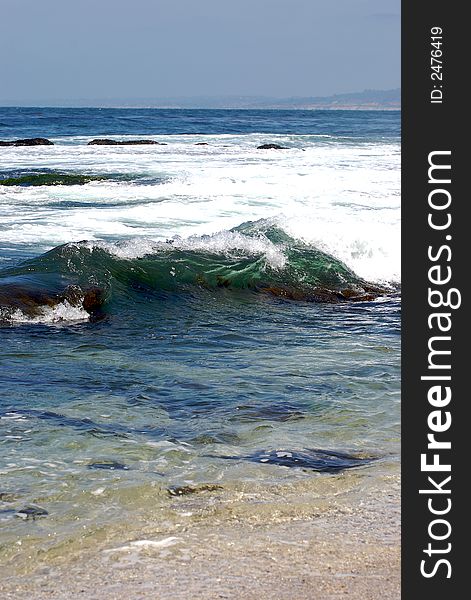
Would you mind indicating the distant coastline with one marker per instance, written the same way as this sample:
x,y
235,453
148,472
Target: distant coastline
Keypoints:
x,y
366,100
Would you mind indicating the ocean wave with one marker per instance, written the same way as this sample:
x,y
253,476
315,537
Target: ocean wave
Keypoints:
x,y
227,243
256,257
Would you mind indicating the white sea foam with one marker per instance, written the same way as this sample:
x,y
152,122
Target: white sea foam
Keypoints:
x,y
225,242
337,194
62,312
145,545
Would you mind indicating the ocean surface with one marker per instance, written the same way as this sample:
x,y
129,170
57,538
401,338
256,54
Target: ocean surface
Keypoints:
x,y
207,370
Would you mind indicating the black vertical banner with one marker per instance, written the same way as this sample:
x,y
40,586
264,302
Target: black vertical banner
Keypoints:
x,y
435,326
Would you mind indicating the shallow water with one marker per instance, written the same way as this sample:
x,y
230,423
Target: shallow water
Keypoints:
x,y
181,371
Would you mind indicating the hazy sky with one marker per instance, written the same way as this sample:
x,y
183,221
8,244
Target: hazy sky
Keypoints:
x,y
124,49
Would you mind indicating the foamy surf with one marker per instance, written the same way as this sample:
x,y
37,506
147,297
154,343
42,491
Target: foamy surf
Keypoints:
x,y
64,312
226,243
340,194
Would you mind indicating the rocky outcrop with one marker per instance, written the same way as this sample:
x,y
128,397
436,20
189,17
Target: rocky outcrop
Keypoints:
x,y
28,142
271,147
323,295
107,142
323,461
48,178
31,512
32,301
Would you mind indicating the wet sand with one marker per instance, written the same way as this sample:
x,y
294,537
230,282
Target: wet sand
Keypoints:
x,y
347,552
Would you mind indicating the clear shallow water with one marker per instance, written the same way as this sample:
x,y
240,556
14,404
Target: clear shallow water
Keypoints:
x,y
184,371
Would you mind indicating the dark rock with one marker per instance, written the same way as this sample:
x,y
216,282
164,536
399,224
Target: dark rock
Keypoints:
x,y
92,299
31,512
281,412
186,490
323,461
107,142
49,178
316,460
271,147
31,300
88,426
224,437
324,295
108,466
201,144
7,497
28,142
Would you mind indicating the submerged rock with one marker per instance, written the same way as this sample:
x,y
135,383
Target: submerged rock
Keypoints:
x,y
201,144
108,142
272,147
108,466
89,427
323,461
31,512
7,497
28,142
186,490
223,437
282,411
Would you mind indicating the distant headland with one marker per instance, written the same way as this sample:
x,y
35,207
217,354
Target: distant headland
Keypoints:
x,y
365,100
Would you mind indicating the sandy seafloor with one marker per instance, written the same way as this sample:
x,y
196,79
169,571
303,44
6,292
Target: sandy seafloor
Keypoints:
x,y
228,547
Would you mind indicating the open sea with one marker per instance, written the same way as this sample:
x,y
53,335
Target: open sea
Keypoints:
x,y
166,348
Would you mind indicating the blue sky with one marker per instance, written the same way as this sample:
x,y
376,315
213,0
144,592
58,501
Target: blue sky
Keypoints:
x,y
125,49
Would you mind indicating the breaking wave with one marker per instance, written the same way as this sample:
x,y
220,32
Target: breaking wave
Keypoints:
x,y
76,280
